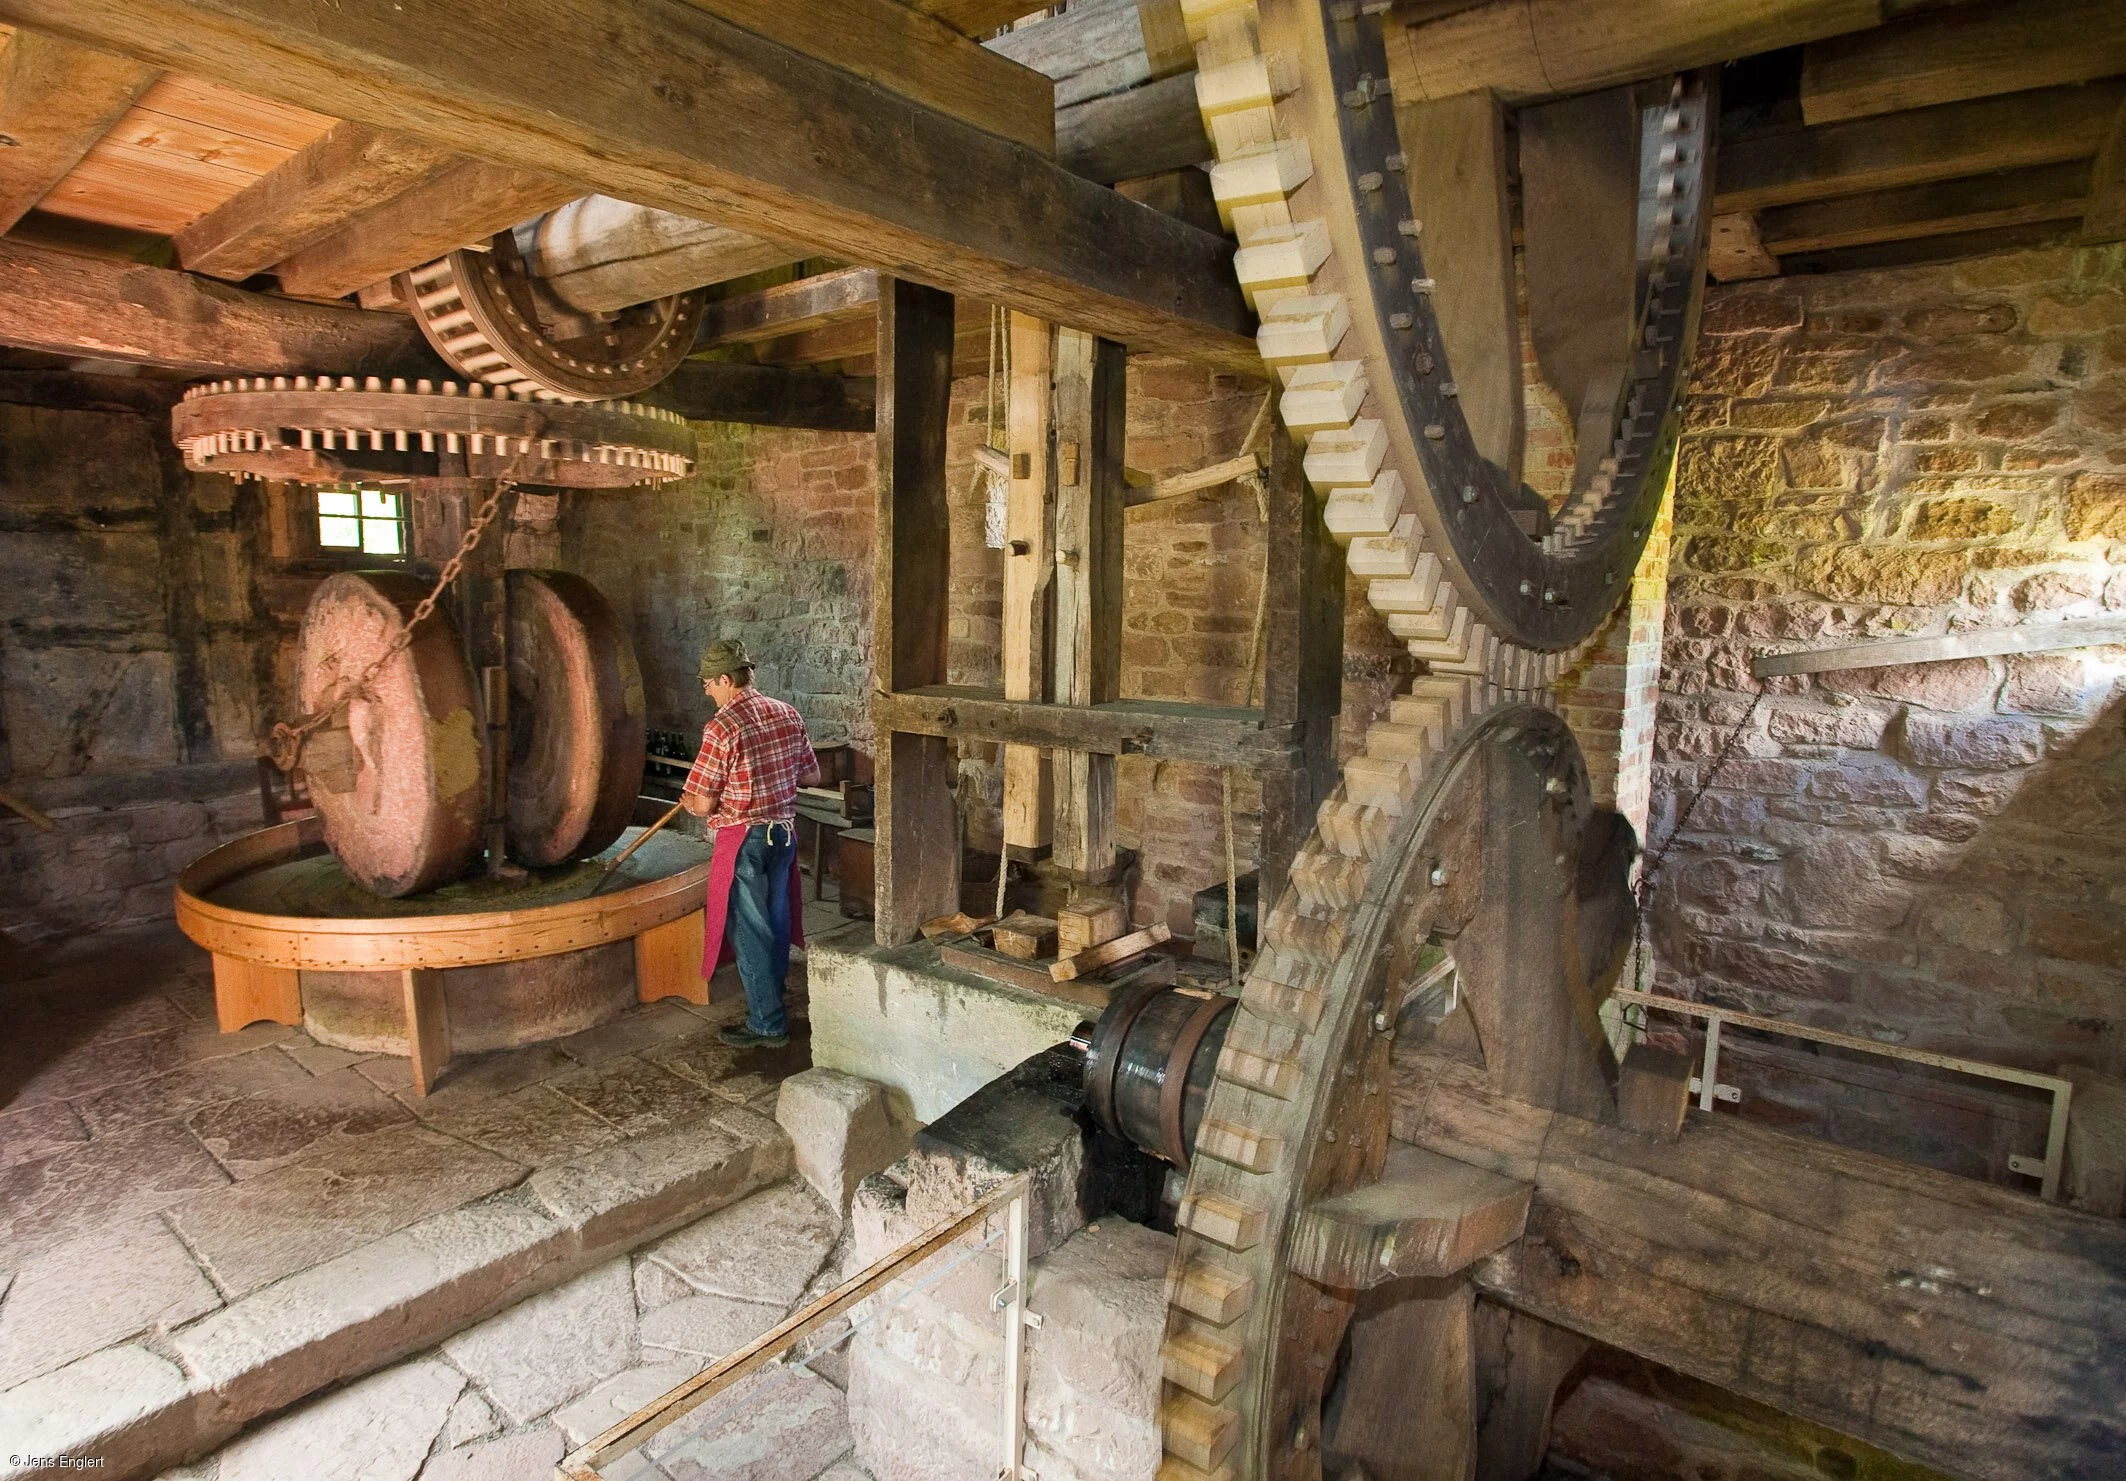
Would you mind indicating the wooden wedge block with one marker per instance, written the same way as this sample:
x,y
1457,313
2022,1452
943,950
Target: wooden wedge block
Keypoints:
x,y
1087,921
1024,936
1653,1090
1121,949
1428,1215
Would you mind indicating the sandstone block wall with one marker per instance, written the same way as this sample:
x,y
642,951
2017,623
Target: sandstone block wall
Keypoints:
x,y
136,657
1926,854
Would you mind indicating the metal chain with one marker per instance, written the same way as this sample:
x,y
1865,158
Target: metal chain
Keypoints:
x,y
285,746
1650,870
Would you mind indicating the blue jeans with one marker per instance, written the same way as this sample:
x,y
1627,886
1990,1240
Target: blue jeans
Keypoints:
x,y
760,922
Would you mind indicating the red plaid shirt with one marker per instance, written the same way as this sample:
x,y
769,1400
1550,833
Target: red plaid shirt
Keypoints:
x,y
754,753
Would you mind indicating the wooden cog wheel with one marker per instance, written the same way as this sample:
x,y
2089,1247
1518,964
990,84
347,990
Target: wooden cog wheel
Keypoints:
x,y
1278,1312
577,728
1376,243
493,320
322,430
399,776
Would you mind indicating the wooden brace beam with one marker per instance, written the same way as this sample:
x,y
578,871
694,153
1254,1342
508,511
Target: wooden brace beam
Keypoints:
x,y
877,178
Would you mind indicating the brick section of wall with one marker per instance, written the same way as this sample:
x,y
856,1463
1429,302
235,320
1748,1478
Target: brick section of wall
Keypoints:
x,y
136,660
1927,854
771,540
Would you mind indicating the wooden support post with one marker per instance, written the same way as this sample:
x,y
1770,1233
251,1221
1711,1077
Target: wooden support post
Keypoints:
x,y
1303,618
1029,565
251,992
668,961
1415,1418
1091,408
442,510
1519,1364
918,848
427,1025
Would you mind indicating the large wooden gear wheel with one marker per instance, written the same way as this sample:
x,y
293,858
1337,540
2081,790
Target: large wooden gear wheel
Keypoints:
x,y
578,733
326,430
399,778
1482,843
1403,372
493,320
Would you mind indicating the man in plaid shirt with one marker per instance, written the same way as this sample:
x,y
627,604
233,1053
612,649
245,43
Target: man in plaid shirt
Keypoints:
x,y
754,756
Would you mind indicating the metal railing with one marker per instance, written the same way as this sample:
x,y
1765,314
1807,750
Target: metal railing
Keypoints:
x,y
1707,1084
586,1462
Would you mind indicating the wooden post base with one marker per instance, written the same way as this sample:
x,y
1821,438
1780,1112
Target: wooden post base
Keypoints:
x,y
248,992
668,960
427,1025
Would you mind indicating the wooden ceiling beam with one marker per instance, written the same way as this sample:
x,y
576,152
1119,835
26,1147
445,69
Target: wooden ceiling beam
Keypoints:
x,y
1966,51
464,203
790,308
1524,50
56,101
68,305
766,396
974,17
915,55
658,102
2106,217
1915,251
323,186
1780,166
2011,198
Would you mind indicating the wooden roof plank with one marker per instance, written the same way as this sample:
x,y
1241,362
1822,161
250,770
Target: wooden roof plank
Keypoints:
x,y
1777,167
56,100
463,203
348,169
781,145
69,305
2010,198
974,17
1969,51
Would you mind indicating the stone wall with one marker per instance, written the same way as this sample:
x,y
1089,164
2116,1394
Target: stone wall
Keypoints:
x,y
1927,854
137,656
771,540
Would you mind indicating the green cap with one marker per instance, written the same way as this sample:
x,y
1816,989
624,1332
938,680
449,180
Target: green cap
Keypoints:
x,y
724,656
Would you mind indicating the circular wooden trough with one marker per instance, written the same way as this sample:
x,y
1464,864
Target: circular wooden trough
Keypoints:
x,y
478,965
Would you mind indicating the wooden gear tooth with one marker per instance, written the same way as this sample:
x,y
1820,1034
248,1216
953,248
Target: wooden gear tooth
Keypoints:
x,y
1224,1221
1201,1363
1201,1434
1211,1290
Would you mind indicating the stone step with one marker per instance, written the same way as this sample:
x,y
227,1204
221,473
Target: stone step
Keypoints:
x,y
409,1290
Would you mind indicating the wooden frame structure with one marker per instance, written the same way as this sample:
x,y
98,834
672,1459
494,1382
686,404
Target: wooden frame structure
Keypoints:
x,y
1289,741
259,959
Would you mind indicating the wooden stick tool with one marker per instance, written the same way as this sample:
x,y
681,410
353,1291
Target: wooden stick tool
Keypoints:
x,y
647,834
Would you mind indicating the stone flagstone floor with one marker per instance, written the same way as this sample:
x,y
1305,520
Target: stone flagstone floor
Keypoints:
x,y
160,1180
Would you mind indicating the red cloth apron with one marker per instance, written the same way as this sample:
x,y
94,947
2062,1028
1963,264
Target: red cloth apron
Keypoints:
x,y
716,951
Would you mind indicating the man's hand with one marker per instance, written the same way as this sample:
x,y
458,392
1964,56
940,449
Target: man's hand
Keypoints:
x,y
696,805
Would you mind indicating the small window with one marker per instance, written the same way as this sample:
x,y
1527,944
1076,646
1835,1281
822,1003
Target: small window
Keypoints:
x,y
371,520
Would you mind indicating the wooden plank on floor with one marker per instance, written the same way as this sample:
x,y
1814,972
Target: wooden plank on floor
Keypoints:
x,y
918,848
56,101
350,169
1960,52
2009,198
1779,166
462,205
700,122
69,305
